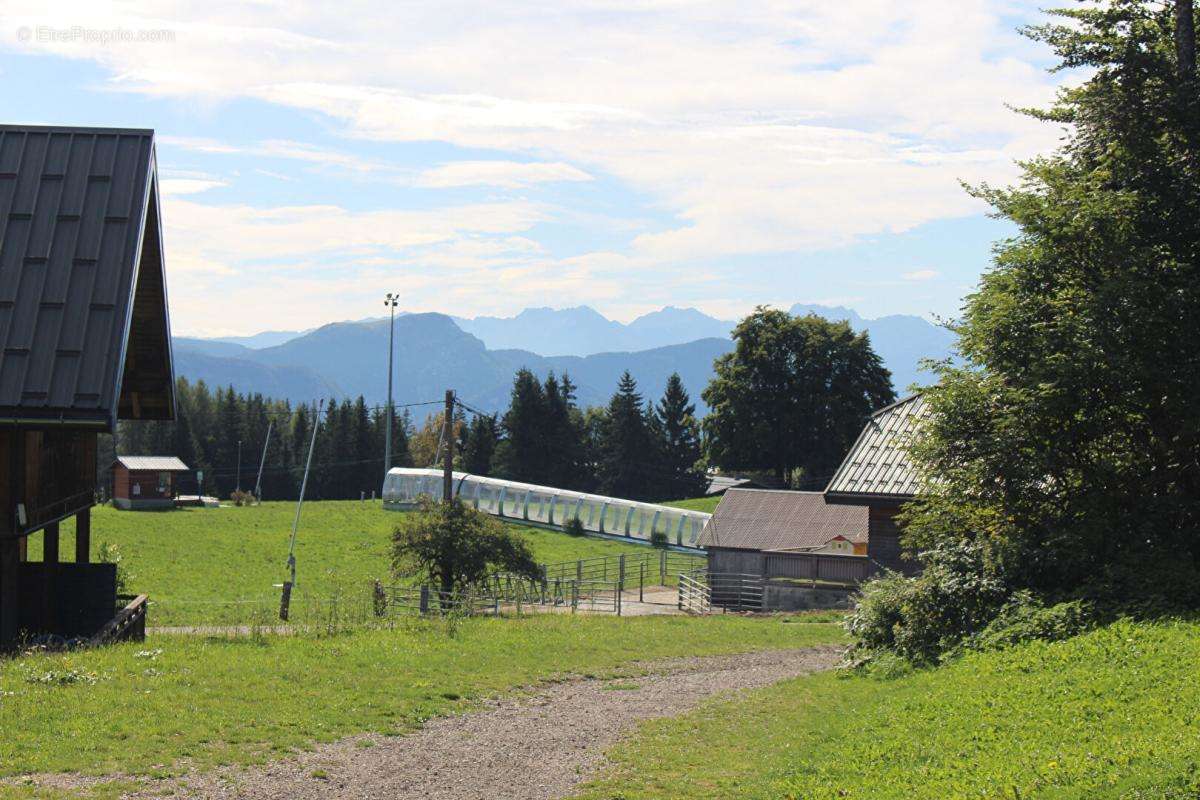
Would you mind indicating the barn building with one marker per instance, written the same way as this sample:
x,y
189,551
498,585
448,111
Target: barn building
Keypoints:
x,y
84,341
878,475
146,482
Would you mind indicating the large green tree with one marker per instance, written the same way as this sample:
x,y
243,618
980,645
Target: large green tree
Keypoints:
x,y
1067,442
792,395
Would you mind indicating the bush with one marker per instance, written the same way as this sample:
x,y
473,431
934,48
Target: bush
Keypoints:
x,y
1025,617
921,619
111,554
659,539
574,527
241,498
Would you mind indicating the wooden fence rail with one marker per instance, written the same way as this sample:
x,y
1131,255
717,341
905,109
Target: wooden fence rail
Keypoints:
x,y
818,567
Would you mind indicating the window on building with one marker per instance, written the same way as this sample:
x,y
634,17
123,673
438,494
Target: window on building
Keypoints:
x,y
164,482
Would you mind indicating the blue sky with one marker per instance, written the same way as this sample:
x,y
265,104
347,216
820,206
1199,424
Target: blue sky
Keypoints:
x,y
482,158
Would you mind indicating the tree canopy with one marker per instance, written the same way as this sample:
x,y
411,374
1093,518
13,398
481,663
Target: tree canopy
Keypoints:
x,y
454,545
792,396
1068,440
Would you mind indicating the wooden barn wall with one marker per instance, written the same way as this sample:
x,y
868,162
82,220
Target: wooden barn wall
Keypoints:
x,y
883,543
59,476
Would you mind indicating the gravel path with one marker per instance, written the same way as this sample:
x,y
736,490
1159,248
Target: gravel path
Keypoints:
x,y
533,747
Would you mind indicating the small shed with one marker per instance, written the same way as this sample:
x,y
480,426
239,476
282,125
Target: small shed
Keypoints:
x,y
146,482
751,523
878,475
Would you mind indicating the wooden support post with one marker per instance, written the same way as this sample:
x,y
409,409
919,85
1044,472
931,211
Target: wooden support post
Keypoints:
x,y
662,567
9,596
49,576
448,436
642,582
83,536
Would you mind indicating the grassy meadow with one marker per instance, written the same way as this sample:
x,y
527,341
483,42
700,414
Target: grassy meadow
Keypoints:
x,y
146,708
1114,713
218,565
706,504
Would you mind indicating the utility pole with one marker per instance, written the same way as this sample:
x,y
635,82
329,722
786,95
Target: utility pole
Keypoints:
x,y
239,468
286,601
391,301
262,462
448,437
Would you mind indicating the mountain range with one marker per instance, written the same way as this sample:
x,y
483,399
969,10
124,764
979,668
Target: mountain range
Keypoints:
x,y
477,357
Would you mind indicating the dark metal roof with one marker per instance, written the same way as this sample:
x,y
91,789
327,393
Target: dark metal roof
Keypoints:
x,y
84,333
152,463
762,519
878,464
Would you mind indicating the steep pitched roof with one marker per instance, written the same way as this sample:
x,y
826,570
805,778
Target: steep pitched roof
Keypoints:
x,y
84,332
878,464
152,463
761,519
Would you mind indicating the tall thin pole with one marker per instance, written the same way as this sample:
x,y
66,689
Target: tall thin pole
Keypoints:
x,y
286,602
448,436
262,462
239,468
391,302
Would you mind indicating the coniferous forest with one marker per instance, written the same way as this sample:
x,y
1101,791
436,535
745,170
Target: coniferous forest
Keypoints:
x,y
636,446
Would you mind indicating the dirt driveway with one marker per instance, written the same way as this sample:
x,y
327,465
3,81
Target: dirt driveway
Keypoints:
x,y
533,747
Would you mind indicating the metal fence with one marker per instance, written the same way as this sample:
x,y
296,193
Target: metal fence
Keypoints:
x,y
651,568
700,592
499,596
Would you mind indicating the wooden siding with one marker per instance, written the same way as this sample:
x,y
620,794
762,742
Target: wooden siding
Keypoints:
x,y
53,472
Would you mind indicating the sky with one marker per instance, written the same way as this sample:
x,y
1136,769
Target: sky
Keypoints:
x,y
483,157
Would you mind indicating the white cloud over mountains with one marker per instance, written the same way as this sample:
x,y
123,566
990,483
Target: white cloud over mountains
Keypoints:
x,y
759,127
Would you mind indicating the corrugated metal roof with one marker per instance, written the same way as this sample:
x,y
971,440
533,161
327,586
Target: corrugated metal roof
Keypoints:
x,y
152,463
77,208
721,483
878,464
762,519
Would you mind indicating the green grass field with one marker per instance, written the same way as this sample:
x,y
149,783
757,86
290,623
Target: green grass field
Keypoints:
x,y
218,565
143,708
1111,714
706,504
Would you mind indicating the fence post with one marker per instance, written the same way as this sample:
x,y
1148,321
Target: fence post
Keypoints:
x,y
621,572
574,597
620,592
642,582
662,567
424,600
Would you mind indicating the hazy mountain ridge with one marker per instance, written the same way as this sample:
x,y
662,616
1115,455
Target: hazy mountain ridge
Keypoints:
x,y
478,357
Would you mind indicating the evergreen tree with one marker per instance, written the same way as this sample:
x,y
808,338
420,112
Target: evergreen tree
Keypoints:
x,y
522,456
682,472
482,438
626,445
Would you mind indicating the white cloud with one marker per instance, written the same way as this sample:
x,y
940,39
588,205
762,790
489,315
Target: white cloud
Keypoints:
x,y
508,174
760,128
188,185
921,275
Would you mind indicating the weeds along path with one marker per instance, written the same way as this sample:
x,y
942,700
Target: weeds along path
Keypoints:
x,y
536,746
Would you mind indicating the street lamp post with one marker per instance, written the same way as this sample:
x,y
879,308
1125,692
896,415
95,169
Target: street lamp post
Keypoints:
x,y
391,301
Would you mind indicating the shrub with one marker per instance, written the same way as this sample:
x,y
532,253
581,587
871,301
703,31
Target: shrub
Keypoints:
x,y
574,527
922,618
659,539
242,498
1025,617
111,554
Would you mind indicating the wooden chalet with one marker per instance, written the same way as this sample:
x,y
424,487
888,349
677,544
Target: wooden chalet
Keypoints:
x,y
878,474
84,341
